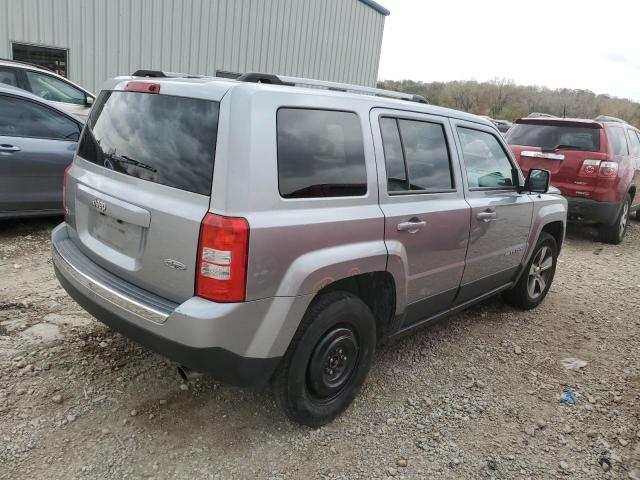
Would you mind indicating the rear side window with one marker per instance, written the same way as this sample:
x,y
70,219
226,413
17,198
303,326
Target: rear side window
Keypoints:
x,y
618,141
24,118
486,162
320,154
416,155
8,76
159,138
555,137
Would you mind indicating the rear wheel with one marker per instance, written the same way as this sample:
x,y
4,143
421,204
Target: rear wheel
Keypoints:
x,y
536,280
615,233
327,360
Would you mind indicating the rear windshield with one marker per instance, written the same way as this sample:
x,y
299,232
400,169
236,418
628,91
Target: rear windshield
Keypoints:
x,y
159,138
555,137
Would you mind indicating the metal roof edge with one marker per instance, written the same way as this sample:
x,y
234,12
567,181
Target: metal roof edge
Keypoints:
x,y
377,7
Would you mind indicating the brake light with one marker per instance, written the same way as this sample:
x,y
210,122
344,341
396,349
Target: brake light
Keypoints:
x,y
590,168
142,87
608,169
222,258
64,191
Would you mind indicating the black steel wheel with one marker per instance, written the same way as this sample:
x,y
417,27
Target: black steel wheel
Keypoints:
x,y
327,360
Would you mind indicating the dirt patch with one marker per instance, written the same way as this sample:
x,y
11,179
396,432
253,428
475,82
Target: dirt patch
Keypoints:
x,y
477,396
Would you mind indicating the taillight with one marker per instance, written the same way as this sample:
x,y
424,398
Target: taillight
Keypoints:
x,y
590,168
222,258
64,191
608,170
599,168
142,87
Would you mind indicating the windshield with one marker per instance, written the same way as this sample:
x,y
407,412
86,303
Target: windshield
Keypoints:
x,y
159,138
555,137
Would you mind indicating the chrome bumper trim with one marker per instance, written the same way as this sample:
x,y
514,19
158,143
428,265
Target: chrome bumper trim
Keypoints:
x,y
104,293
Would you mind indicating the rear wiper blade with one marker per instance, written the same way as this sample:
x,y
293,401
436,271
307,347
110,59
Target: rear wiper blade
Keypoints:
x,y
131,161
563,147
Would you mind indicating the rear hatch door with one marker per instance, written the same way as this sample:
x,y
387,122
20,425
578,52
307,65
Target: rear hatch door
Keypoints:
x,y
560,146
141,185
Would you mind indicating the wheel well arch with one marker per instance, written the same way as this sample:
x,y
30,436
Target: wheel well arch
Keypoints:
x,y
377,290
556,230
632,192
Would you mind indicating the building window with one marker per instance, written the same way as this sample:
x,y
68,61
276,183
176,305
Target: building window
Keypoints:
x,y
55,59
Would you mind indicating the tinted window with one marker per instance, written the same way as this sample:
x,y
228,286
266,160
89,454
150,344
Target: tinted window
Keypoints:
x,y
158,138
486,162
618,141
23,118
320,154
8,76
54,89
551,137
634,143
427,156
393,156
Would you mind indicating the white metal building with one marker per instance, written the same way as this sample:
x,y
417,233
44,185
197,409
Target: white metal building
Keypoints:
x,y
91,40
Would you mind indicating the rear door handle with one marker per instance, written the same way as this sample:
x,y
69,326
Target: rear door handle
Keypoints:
x,y
487,215
5,147
412,226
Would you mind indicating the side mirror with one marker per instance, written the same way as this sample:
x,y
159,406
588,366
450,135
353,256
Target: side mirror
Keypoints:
x,y
537,181
89,101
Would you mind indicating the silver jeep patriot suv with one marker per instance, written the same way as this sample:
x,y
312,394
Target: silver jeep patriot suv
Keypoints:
x,y
263,231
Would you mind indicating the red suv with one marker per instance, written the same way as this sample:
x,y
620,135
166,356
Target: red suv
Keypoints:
x,y
594,163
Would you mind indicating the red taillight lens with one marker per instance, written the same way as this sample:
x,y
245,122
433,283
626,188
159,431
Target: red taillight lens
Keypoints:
x,y
608,170
64,192
590,168
222,258
143,87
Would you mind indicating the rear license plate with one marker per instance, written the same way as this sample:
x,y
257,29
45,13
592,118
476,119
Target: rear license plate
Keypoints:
x,y
117,234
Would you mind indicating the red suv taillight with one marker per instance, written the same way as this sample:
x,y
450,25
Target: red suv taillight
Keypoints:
x,y
222,258
64,191
608,170
599,168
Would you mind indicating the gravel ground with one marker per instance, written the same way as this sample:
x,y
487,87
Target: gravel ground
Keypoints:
x,y
476,396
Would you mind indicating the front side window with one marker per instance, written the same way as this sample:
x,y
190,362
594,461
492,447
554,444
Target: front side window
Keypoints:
x,y
416,156
320,154
8,76
486,162
54,89
618,141
23,118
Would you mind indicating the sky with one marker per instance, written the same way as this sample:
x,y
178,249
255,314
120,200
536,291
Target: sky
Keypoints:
x,y
561,43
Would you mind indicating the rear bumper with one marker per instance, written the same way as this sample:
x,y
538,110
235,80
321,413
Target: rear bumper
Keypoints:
x,y
592,211
206,337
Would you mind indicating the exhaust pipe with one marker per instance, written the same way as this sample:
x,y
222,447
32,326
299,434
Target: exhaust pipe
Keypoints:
x,y
187,374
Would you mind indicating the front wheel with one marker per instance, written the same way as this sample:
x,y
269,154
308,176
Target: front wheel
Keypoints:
x,y
327,360
615,233
536,280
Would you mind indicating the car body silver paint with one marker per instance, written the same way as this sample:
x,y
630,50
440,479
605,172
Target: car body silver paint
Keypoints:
x,y
297,246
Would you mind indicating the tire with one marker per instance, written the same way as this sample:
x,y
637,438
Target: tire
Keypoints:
x,y
327,361
534,284
615,233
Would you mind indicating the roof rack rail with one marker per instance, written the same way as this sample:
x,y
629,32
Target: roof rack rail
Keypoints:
x,y
161,74
608,118
35,65
322,84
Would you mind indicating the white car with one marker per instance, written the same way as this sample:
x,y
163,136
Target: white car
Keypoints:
x,y
46,84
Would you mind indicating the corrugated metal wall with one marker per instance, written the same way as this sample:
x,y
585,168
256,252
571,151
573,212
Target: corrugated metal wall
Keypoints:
x,y
336,40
